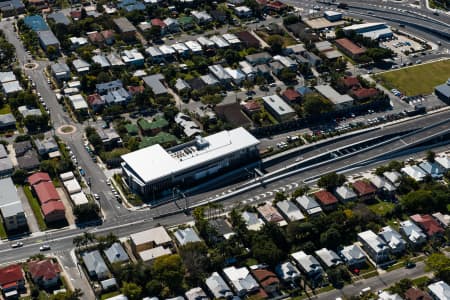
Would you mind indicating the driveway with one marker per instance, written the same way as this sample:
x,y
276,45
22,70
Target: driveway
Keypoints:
x,y
31,219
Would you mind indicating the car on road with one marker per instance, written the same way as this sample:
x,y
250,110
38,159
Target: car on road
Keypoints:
x,y
96,196
273,84
17,245
410,265
44,247
82,173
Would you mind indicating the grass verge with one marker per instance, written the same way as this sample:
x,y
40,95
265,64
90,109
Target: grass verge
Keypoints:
x,y
36,208
3,234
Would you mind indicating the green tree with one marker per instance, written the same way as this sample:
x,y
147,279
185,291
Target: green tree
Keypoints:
x,y
169,270
86,212
430,156
331,238
331,181
131,290
440,265
418,201
19,176
287,75
314,105
195,258
401,287
276,43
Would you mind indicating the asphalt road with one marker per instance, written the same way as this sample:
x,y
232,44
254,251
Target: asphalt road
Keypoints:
x,y
375,283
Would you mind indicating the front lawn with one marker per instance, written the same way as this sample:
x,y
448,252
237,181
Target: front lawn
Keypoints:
x,y
382,208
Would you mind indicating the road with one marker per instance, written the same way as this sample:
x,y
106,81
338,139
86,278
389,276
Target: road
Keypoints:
x,y
375,283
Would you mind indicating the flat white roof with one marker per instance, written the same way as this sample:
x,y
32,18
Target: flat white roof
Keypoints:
x,y
79,198
151,254
278,105
154,162
328,92
158,235
72,186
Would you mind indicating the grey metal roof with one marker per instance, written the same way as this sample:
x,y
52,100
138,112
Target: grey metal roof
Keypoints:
x,y
7,76
116,253
47,37
59,18
94,262
124,24
217,286
10,204
185,236
444,89
101,60
108,86
60,68
154,82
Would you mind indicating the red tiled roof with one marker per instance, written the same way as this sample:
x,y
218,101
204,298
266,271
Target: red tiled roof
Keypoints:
x,y
325,198
51,207
95,99
135,89
351,47
96,37
291,94
350,81
10,274
46,192
363,93
44,269
158,22
261,294
252,105
276,5
428,223
416,294
364,188
75,14
38,177
265,277
107,34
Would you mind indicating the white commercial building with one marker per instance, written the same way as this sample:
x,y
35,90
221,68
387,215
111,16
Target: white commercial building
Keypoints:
x,y
153,170
373,31
279,108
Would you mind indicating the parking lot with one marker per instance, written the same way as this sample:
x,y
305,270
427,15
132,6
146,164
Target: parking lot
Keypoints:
x,y
401,44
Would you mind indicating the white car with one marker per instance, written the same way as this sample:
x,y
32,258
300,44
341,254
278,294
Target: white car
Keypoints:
x,y
17,245
96,196
45,247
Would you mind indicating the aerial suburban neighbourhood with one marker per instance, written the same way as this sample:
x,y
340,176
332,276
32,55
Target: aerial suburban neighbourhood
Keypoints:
x,y
229,149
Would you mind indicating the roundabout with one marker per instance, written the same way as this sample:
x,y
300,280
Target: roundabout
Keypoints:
x,y
66,129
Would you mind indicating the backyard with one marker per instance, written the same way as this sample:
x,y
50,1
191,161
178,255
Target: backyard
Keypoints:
x,y
416,80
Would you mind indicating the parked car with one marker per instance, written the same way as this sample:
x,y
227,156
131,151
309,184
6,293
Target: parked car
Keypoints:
x,y
17,245
44,247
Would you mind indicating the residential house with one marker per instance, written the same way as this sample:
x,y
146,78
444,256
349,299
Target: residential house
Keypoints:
x,y
290,211
53,211
286,61
291,96
248,39
243,11
96,102
287,272
12,280
394,177
241,280
222,227
10,205
218,287
95,265
439,290
435,170
251,107
247,69
266,279
416,294
46,145
219,72
276,67
48,39
428,224
444,161
309,205
78,103
374,245
116,254
77,42
61,71
414,172
81,66
187,235
20,148
443,220
196,293
181,85
326,199
384,187
278,108
353,255
201,17
44,273
181,49
132,57
186,22
154,82
294,49
252,221
363,93
7,121
154,127
152,243
232,39
329,258
340,101
385,295
6,165
194,47
111,92
308,264
209,80
394,239
155,54
190,128
258,58
218,15
125,28
236,75
205,42
172,25
345,194
270,214
364,189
